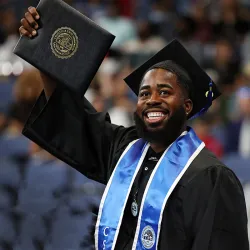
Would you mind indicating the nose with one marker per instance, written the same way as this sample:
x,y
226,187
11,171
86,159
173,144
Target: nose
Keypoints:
x,y
154,100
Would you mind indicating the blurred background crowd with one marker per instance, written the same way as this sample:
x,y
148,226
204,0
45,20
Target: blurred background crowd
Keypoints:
x,y
45,204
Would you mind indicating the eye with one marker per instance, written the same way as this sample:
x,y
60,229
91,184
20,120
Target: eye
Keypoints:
x,y
164,92
144,94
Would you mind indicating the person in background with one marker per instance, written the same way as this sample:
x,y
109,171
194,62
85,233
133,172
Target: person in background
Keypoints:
x,y
203,31
232,21
94,9
185,31
27,86
238,131
146,43
122,27
163,18
24,94
9,27
203,129
225,63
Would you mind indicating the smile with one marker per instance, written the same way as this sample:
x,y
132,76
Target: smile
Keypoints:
x,y
155,117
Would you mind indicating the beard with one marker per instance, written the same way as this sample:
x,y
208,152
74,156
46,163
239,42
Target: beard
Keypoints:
x,y
165,135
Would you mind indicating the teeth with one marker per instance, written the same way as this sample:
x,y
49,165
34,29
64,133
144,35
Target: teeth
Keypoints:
x,y
155,114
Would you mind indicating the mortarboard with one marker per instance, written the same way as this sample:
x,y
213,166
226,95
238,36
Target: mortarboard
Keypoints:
x,y
69,46
205,90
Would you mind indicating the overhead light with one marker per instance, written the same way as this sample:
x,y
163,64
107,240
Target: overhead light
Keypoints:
x,y
6,69
17,68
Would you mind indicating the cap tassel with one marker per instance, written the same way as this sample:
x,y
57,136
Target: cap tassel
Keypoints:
x,y
209,95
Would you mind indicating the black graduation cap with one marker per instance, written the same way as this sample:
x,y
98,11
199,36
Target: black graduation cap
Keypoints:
x,y
205,90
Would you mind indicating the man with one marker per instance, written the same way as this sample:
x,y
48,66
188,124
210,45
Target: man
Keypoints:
x,y
165,190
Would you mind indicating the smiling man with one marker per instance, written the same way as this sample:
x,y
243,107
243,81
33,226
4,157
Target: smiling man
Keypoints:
x,y
163,105
164,190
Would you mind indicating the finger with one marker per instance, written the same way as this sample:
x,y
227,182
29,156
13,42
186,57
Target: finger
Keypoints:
x,y
24,32
27,27
33,12
31,20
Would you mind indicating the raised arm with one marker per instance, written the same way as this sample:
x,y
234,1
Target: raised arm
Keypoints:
x,y
69,127
29,27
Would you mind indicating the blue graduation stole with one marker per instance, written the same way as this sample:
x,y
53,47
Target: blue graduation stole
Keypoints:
x,y
165,176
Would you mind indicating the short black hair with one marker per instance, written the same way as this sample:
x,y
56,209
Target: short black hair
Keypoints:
x,y
182,76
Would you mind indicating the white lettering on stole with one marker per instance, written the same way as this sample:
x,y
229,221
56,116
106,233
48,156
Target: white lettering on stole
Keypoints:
x,y
103,243
104,231
105,234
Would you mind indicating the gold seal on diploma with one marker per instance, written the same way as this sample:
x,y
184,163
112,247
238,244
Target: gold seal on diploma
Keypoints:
x,y
64,43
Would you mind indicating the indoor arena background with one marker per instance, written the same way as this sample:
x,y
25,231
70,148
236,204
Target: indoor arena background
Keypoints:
x,y
45,204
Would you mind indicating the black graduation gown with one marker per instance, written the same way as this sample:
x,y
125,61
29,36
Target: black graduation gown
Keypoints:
x,y
206,211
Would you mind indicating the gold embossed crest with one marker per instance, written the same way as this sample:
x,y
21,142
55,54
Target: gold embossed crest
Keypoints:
x,y
64,42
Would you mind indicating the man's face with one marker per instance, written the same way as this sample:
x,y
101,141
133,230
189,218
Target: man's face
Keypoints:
x,y
161,107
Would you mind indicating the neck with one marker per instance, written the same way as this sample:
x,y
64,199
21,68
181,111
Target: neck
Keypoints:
x,y
160,147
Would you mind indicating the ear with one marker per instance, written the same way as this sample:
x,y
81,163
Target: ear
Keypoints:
x,y
188,106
